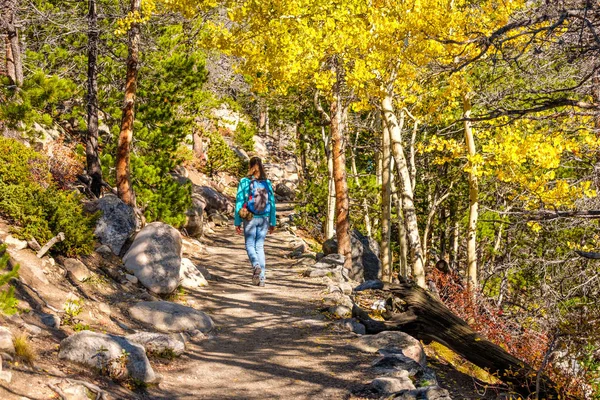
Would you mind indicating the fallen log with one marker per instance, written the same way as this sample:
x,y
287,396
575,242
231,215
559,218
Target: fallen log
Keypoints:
x,y
428,319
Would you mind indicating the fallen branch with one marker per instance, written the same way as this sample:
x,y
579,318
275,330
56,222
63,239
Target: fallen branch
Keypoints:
x,y
428,319
56,239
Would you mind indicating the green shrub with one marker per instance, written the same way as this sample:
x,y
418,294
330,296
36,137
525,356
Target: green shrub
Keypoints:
x,y
30,198
8,303
220,157
244,136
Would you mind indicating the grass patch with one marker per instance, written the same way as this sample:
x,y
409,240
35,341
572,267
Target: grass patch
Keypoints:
x,y
23,349
444,354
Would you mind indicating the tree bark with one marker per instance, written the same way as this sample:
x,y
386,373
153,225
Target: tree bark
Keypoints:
x,y
403,256
472,275
428,319
364,204
330,217
338,144
94,169
14,63
10,62
414,241
124,186
386,209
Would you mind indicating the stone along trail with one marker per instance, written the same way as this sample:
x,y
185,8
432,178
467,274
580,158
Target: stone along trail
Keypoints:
x,y
270,342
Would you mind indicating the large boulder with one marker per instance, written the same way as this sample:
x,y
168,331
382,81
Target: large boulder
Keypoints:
x,y
394,341
365,256
155,257
215,201
165,316
116,223
158,344
194,217
115,354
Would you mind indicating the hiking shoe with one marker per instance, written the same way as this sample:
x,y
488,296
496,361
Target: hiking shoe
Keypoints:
x,y
261,283
256,275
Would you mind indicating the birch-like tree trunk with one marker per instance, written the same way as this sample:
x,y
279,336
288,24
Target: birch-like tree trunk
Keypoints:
x,y
364,204
124,186
386,209
414,241
330,219
91,145
403,256
472,276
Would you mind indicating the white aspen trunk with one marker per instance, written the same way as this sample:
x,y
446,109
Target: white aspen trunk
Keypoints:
x,y
472,276
403,256
365,205
414,241
386,209
330,221
413,165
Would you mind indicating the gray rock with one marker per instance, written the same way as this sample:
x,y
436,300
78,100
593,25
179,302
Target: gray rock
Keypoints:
x,y
241,153
132,278
155,257
365,256
345,287
6,341
108,352
15,243
333,288
191,277
331,261
387,385
428,393
104,251
340,311
218,219
318,273
336,298
366,285
165,316
215,201
284,191
158,344
204,272
77,269
116,224
194,222
50,320
395,341
352,325
391,363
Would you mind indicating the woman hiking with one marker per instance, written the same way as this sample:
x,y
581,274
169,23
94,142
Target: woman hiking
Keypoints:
x,y
255,207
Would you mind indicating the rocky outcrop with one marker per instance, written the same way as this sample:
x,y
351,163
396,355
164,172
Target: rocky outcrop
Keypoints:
x,y
215,201
116,224
165,316
365,256
116,355
155,257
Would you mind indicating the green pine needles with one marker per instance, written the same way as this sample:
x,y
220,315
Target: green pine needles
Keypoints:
x,y
8,302
30,198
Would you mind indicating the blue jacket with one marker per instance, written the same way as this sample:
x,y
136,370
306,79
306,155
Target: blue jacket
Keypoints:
x,y
243,193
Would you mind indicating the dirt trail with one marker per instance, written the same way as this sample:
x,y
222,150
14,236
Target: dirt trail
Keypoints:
x,y
271,343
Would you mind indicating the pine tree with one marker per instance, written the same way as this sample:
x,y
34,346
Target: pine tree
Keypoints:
x,y
8,302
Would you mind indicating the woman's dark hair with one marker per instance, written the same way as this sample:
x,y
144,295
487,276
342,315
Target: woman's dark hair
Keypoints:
x,y
261,170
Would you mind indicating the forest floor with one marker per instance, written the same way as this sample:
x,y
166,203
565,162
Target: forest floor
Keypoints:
x,y
269,343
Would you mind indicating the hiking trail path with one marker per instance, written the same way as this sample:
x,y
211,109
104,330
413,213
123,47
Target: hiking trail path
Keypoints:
x,y
270,342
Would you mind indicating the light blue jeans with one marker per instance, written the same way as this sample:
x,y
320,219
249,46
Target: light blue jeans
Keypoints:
x,y
255,232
